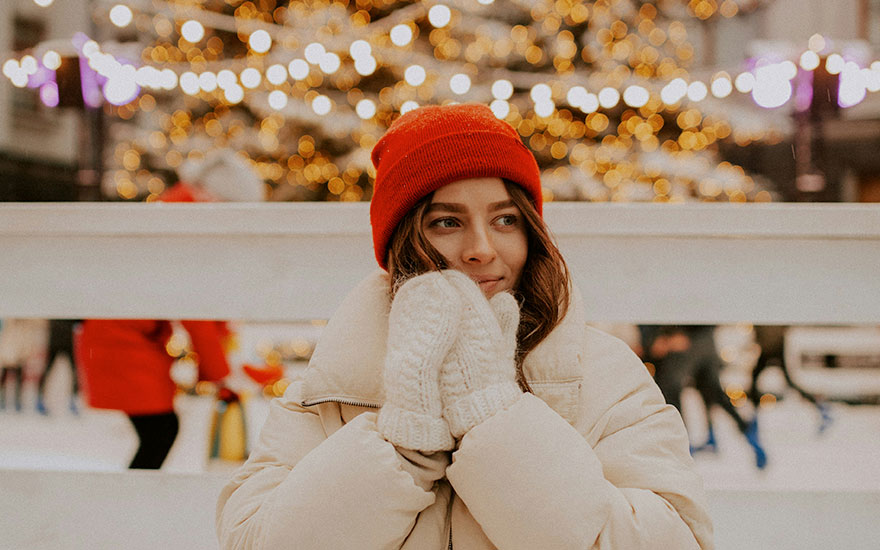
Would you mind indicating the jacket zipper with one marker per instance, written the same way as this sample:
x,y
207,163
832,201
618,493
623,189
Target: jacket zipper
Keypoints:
x,y
450,538
341,401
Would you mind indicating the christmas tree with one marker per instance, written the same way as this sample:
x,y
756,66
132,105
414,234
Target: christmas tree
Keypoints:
x,y
600,91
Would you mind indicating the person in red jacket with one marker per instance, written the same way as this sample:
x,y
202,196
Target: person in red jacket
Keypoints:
x,y
124,364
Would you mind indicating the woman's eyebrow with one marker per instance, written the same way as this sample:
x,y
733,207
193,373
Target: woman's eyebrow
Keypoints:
x,y
501,204
447,206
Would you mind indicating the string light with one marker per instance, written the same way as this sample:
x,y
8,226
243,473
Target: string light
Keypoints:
x,y
192,31
439,16
502,89
415,75
460,83
366,109
260,41
401,35
120,15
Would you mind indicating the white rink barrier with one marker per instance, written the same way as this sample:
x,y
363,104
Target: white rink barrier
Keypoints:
x,y
800,264
150,510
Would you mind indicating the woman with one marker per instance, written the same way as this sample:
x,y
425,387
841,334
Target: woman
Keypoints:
x,y
459,400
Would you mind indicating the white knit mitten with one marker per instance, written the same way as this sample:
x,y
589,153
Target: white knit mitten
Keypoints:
x,y
478,377
422,326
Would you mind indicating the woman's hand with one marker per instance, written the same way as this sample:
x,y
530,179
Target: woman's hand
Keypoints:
x,y
478,377
422,327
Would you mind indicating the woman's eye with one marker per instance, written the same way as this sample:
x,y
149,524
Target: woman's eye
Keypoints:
x,y
444,223
509,219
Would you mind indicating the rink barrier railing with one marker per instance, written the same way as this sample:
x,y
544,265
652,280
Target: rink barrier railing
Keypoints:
x,y
802,264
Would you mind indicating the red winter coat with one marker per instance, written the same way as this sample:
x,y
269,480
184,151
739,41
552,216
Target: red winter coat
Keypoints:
x,y
124,366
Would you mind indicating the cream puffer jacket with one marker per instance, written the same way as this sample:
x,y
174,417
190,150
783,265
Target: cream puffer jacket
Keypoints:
x,y
593,459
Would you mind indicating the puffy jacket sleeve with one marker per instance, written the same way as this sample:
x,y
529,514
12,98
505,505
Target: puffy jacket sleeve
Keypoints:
x,y
620,477
207,341
302,489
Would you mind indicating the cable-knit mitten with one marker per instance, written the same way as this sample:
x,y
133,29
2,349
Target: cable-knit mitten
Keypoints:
x,y
422,326
478,377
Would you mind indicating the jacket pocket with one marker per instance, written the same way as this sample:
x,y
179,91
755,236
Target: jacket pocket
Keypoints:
x,y
563,396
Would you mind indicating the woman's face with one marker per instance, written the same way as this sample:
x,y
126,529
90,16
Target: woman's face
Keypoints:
x,y
478,229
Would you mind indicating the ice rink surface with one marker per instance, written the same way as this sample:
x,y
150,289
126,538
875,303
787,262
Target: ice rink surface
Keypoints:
x,y
845,456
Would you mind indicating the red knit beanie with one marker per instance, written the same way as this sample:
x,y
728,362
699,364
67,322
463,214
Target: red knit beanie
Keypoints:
x,y
432,146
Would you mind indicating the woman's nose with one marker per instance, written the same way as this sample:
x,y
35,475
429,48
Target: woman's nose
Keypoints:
x,y
479,247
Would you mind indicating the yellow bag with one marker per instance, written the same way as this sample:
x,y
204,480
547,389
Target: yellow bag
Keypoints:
x,y
228,434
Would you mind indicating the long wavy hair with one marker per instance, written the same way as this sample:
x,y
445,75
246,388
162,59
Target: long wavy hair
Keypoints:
x,y
544,289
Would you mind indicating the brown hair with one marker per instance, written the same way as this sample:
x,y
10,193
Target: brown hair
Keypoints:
x,y
544,286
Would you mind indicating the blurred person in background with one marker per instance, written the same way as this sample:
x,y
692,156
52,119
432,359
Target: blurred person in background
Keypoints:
x,y
60,344
685,355
124,363
22,342
771,339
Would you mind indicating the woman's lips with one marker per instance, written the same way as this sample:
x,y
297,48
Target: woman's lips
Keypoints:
x,y
488,285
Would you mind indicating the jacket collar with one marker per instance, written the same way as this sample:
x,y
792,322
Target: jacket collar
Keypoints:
x,y
346,365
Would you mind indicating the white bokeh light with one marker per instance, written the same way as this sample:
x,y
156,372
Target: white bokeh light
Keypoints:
x,y
120,90
366,109
168,79
544,108
460,83
360,48
189,83
120,15
408,106
401,35
500,108
226,78
260,41
415,75
576,96
590,103
234,94
502,89
43,3
872,80
636,96
298,69
809,60
250,78
314,53
276,74
745,82
330,63
608,97
853,86
722,87
208,81
697,91
192,31
439,16
771,92
321,105
540,92
834,63
365,66
52,60
29,64
674,91
277,100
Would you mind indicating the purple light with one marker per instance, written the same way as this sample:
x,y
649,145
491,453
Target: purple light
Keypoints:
x,y
40,77
49,94
91,88
803,96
